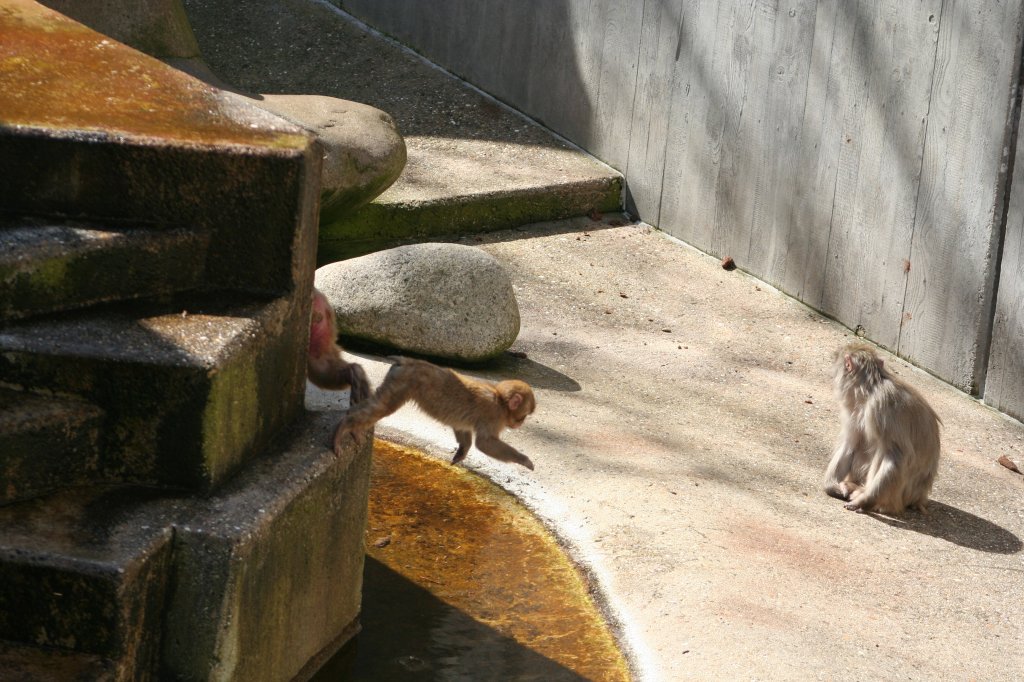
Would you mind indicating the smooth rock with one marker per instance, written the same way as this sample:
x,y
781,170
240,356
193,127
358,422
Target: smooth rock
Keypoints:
x,y
443,300
363,150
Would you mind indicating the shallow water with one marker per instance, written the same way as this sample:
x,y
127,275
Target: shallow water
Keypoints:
x,y
463,583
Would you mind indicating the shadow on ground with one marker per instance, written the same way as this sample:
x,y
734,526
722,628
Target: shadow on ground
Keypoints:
x,y
959,527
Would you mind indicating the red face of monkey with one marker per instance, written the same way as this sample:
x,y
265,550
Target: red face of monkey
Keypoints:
x,y
322,332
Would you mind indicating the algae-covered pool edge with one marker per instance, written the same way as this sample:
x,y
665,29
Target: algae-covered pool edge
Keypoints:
x,y
462,580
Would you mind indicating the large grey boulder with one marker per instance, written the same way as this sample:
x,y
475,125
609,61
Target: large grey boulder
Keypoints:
x,y
443,300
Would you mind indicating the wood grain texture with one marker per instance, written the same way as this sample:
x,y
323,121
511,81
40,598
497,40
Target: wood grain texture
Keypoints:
x,y
959,207
660,36
882,66
1004,385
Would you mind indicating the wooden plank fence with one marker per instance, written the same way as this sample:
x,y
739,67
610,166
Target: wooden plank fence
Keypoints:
x,y
854,153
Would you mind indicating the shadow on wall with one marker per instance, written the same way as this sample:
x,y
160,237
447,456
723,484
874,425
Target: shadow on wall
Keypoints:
x,y
299,46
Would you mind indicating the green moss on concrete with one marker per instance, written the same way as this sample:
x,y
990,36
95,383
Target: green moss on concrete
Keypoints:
x,y
381,223
276,557
51,275
231,419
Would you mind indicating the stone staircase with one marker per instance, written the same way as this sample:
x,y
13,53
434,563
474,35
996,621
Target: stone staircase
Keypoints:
x,y
164,499
166,505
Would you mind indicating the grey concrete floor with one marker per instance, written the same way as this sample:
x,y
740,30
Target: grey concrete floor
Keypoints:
x,y
684,421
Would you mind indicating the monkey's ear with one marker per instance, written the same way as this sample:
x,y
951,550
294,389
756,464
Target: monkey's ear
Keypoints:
x,y
848,361
514,401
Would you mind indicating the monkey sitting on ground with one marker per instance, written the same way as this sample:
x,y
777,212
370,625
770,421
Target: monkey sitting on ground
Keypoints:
x,y
470,406
324,364
888,451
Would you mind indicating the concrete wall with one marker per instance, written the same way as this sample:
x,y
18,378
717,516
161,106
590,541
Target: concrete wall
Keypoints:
x,y
856,154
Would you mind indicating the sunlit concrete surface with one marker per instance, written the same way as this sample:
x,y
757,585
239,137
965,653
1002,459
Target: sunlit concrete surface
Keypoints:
x,y
684,421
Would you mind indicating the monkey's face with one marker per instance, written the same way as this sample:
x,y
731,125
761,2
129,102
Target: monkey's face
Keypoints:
x,y
519,402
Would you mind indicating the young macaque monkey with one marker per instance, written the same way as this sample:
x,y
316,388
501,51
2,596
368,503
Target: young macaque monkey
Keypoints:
x,y
888,451
324,364
470,406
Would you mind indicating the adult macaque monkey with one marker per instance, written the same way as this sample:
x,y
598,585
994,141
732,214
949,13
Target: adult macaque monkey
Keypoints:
x,y
470,406
324,364
888,451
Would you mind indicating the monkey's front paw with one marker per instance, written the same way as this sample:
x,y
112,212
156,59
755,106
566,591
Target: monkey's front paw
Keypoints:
x,y
854,507
340,433
527,463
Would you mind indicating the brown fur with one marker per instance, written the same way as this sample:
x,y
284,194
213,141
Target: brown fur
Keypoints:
x,y
888,450
324,364
470,406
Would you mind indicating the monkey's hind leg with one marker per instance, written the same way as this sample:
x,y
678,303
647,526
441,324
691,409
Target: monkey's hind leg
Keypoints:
x,y
465,439
878,488
390,395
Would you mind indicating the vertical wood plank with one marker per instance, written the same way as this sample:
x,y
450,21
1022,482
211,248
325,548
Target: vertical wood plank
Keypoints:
x,y
777,157
693,146
656,80
617,80
746,63
1004,383
886,78
556,91
949,292
814,195
1004,387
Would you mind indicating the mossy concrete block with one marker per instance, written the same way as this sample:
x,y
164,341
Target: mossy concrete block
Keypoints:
x,y
394,217
93,129
86,571
260,581
48,267
189,395
24,663
46,443
268,573
442,300
156,27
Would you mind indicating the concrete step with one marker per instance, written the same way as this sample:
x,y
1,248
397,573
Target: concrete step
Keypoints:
x,y
46,443
132,583
440,196
135,143
473,165
190,392
47,266
28,663
86,571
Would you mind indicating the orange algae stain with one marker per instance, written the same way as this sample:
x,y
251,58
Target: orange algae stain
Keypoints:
x,y
56,73
462,582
